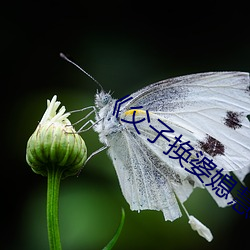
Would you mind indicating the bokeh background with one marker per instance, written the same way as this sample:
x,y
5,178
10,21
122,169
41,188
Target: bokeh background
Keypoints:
x,y
125,45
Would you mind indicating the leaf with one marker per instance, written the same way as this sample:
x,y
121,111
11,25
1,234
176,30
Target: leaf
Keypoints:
x,y
117,234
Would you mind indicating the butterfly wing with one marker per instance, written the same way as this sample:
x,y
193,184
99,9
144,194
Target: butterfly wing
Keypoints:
x,y
145,180
209,108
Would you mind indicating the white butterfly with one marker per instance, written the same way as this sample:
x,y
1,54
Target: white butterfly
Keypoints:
x,y
206,114
209,110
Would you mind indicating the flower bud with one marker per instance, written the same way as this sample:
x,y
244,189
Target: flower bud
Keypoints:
x,y
55,144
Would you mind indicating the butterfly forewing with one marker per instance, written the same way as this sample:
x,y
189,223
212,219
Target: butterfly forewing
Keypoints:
x,y
210,109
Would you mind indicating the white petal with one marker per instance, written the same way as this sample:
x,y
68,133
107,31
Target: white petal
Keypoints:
x,y
200,228
51,114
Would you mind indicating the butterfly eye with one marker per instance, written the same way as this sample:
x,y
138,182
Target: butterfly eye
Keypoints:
x,y
102,99
106,99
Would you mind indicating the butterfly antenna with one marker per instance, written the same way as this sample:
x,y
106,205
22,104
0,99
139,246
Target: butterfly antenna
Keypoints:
x,y
90,76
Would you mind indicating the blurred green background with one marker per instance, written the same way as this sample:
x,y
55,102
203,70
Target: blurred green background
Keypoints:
x,y
125,45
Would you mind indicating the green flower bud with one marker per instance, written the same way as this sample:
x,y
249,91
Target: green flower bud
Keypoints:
x,y
55,144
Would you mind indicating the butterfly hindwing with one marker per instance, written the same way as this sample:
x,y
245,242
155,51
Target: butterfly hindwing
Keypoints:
x,y
143,184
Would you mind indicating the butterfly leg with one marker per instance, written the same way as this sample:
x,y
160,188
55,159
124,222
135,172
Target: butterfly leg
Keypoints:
x,y
95,152
80,130
91,155
86,116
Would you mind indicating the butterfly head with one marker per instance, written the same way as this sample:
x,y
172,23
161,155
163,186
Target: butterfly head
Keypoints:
x,y
102,99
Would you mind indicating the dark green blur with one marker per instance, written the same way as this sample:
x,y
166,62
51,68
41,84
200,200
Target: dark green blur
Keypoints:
x,y
124,48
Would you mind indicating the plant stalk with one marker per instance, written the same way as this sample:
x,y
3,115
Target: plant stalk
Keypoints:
x,y
53,185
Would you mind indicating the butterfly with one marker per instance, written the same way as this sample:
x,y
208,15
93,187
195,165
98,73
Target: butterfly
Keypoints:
x,y
175,135
209,110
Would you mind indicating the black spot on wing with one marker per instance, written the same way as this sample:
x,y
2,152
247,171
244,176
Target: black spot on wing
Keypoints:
x,y
233,119
190,181
248,117
212,146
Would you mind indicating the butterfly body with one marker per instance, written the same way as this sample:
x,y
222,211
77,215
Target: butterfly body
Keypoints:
x,y
108,124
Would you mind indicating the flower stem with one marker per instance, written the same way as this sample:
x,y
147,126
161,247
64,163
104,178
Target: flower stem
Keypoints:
x,y
54,177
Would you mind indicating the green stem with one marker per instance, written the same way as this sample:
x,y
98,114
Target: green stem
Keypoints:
x,y
54,177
